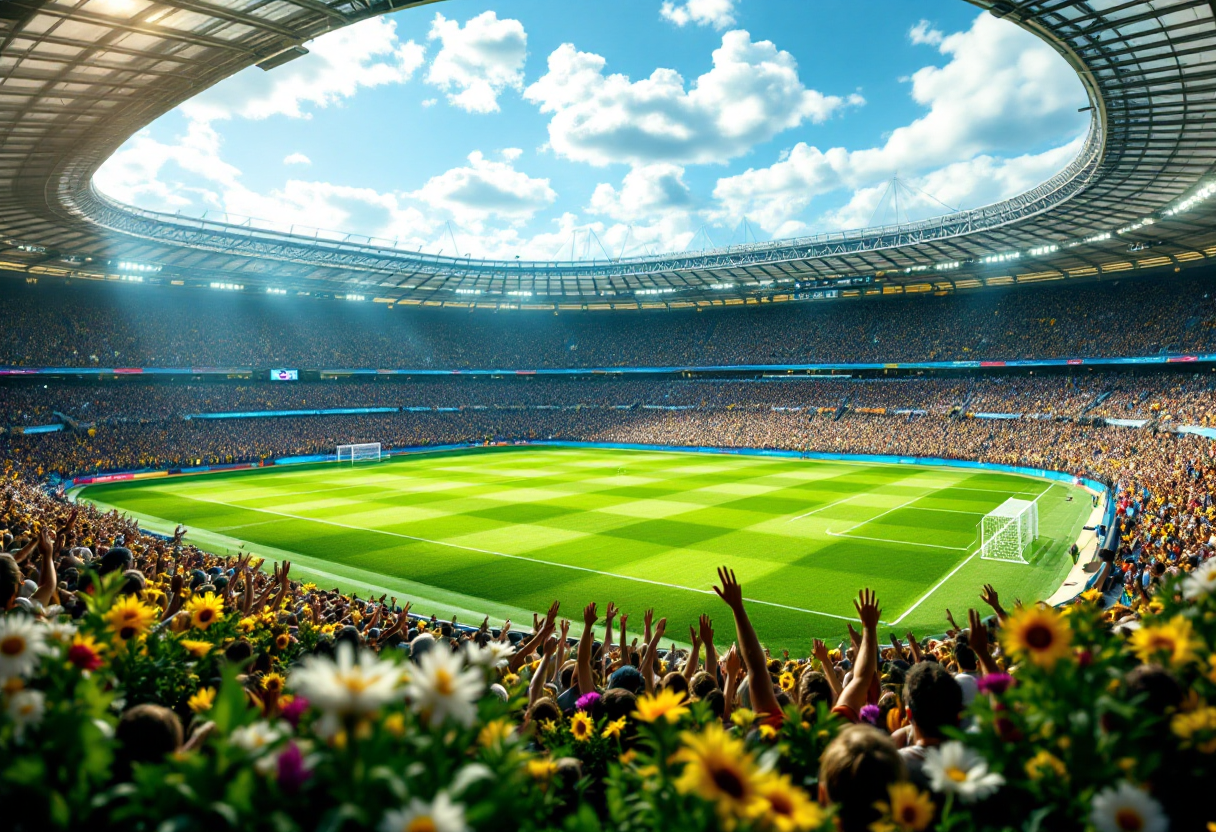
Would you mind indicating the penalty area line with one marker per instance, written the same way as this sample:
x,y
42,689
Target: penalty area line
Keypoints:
x,y
934,588
509,557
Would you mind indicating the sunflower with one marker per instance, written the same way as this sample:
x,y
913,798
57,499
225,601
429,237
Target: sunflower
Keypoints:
x,y
541,768
205,610
84,652
1174,641
130,617
786,680
197,649
743,717
789,808
272,683
1196,728
495,733
582,727
247,624
908,809
282,641
1038,634
202,700
720,770
666,704
614,728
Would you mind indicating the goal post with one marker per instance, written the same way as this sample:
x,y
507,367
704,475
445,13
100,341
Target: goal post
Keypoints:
x,y
1008,531
361,452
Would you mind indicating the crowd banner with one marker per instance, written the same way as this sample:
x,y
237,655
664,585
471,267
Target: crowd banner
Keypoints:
x,y
1208,433
85,372
1127,423
995,415
262,414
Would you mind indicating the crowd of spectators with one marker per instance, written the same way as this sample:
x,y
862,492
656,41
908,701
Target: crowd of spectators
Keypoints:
x,y
1181,399
144,326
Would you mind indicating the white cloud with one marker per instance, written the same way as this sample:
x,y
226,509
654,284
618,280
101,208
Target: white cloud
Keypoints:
x,y
485,189
752,93
716,13
430,102
296,159
1002,90
923,34
367,54
477,62
649,191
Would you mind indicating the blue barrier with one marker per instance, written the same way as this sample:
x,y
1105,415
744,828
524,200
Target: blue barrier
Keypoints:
x,y
262,414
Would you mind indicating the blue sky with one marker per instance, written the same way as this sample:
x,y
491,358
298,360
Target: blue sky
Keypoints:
x,y
541,128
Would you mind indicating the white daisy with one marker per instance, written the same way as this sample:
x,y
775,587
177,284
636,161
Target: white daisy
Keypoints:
x,y
25,708
22,645
442,688
1201,582
255,738
441,815
60,632
1127,809
955,768
346,687
494,654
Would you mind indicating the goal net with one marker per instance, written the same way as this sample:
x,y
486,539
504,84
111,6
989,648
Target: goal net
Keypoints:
x,y
1008,531
364,452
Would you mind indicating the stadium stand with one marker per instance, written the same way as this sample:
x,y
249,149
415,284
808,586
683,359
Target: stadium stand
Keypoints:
x,y
144,326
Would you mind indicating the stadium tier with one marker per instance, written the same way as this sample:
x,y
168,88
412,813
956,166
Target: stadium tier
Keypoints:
x,y
902,528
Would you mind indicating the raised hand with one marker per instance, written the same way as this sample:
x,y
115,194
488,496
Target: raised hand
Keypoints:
x,y
730,592
590,616
659,629
867,608
610,613
978,637
706,630
950,618
820,651
565,628
551,615
733,662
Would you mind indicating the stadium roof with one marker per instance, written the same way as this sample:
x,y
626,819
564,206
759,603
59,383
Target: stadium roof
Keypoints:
x,y
79,77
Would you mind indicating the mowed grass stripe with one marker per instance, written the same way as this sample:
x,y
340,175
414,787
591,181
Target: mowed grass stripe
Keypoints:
x,y
650,535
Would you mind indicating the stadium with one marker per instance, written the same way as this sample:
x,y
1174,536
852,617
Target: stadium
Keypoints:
x,y
897,525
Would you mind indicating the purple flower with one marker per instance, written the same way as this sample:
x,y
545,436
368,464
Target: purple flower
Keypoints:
x,y
293,770
870,714
587,701
295,709
996,683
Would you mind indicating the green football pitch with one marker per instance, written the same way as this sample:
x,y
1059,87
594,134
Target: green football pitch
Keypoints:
x,y
505,531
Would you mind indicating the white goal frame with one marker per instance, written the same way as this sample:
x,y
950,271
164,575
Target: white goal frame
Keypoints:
x,y
360,452
1009,530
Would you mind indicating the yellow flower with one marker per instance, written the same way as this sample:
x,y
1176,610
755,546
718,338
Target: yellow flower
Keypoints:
x,y
908,809
548,726
541,768
1038,634
282,641
1174,641
1091,596
789,809
1196,728
719,769
247,624
395,725
582,727
197,649
786,680
130,617
273,683
628,757
1044,764
495,733
743,717
510,680
614,728
202,700
768,732
666,704
205,610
